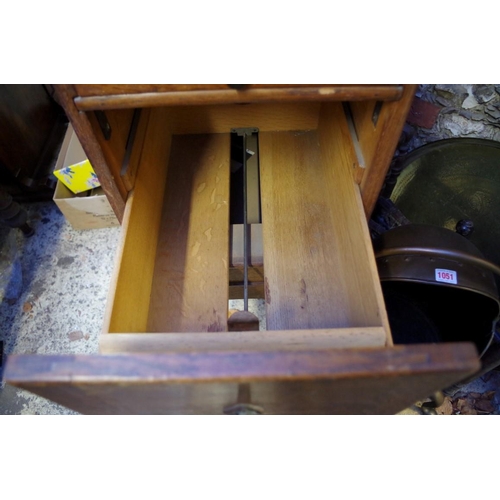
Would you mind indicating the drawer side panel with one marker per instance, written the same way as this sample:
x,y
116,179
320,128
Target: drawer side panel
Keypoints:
x,y
131,287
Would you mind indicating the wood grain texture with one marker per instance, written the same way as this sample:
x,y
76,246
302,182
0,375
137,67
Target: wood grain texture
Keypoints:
x,y
267,117
134,343
236,274
255,283
85,90
190,286
338,154
118,274
131,286
372,381
65,95
114,148
222,96
315,255
379,142
255,291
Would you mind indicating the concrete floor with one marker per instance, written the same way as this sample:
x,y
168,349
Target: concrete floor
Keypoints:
x,y
54,287
53,291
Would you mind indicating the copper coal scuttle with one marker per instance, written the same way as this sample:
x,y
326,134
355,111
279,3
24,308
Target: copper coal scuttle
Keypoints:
x,y
436,235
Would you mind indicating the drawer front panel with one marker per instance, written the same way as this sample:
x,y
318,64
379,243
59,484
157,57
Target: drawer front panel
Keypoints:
x,y
86,90
375,381
114,97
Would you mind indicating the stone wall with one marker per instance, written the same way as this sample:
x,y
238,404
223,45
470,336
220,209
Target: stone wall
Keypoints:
x,y
446,111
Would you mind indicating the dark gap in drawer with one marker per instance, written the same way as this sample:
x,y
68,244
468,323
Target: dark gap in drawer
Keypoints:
x,y
255,259
236,182
236,209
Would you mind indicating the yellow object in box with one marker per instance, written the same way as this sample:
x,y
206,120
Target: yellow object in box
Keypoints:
x,y
76,173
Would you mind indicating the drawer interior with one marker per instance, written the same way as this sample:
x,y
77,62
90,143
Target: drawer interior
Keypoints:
x,y
173,268
164,347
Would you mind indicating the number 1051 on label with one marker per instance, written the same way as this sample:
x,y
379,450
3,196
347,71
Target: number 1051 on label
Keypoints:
x,y
446,276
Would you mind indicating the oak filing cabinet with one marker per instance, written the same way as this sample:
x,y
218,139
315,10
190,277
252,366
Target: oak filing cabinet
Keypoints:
x,y
162,155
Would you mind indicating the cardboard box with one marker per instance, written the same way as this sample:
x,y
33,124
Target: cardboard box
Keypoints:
x,y
87,210
73,168
90,210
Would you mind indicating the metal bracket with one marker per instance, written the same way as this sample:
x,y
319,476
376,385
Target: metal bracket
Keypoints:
x,y
245,131
249,176
354,135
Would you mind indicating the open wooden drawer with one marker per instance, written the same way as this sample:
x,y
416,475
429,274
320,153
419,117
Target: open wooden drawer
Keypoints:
x,y
165,346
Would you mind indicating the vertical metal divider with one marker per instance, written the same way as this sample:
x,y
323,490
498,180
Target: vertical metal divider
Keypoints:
x,y
245,225
246,212
251,215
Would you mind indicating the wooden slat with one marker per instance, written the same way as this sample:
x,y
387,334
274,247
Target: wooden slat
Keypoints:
x,y
315,255
236,274
357,381
118,277
363,287
378,142
255,273
85,90
190,285
255,291
255,283
131,343
205,97
267,117
130,289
